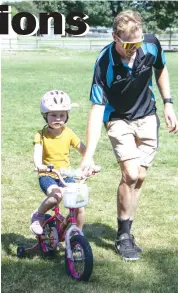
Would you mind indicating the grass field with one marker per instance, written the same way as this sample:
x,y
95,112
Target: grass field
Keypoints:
x,y
25,77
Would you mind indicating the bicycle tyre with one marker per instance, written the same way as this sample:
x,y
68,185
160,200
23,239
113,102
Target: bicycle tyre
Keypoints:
x,y
20,251
82,242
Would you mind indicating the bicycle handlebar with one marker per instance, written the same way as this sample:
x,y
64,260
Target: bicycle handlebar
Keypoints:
x,y
75,173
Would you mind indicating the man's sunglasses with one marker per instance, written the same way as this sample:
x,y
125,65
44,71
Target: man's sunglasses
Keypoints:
x,y
130,45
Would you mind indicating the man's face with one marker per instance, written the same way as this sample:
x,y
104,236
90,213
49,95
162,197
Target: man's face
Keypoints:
x,y
127,44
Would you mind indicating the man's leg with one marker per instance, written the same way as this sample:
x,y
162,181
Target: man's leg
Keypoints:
x,y
137,191
126,189
80,217
135,201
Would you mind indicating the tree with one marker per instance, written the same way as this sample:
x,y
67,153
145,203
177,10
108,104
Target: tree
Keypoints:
x,y
99,12
23,6
157,15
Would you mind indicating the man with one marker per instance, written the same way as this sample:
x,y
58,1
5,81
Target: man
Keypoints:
x,y
122,97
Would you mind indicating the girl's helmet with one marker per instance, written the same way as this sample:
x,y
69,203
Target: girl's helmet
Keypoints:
x,y
54,100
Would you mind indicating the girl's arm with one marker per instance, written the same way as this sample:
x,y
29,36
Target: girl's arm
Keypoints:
x,y
81,148
37,156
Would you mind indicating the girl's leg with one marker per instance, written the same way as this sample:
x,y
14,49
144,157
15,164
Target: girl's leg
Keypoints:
x,y
80,217
54,196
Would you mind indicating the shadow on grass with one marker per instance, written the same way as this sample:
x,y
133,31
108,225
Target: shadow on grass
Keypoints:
x,y
155,272
11,241
101,235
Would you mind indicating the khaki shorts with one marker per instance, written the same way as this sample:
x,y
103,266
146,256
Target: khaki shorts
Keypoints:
x,y
134,139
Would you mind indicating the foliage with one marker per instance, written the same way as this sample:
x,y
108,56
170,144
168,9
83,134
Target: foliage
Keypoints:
x,y
157,15
99,12
23,6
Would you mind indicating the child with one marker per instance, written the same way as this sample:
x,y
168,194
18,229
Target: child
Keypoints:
x,y
52,146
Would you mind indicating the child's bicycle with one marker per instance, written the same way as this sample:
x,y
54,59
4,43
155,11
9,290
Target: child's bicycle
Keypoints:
x,y
57,228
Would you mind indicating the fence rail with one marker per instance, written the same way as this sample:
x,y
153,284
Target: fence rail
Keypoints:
x,y
37,43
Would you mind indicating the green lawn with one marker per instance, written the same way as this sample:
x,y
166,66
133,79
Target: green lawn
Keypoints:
x,y
25,77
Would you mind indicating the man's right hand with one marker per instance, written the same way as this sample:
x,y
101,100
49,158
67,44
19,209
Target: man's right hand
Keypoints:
x,y
88,167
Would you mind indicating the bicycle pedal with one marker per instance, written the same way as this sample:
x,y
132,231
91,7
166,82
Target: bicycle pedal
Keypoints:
x,y
61,246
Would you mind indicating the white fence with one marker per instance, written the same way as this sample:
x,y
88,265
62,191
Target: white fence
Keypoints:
x,y
37,43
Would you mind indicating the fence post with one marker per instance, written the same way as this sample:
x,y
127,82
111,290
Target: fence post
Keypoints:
x,y
37,43
170,36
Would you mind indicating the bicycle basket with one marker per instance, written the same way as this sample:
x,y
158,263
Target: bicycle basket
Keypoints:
x,y
75,195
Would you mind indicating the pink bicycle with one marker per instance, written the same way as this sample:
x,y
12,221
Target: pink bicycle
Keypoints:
x,y
57,228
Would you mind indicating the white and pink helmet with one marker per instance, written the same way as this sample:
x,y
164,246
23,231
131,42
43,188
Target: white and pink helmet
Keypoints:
x,y
55,100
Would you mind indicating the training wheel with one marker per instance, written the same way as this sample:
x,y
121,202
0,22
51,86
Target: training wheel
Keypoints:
x,y
20,251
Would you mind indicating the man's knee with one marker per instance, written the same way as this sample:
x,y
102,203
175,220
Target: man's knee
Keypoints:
x,y
142,174
130,171
130,176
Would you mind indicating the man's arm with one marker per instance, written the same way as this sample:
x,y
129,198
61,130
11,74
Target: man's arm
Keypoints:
x,y
94,125
162,80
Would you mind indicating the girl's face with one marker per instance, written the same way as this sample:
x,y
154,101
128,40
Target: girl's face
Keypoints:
x,y
57,119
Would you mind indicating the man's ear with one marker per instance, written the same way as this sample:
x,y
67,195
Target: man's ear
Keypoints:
x,y
113,35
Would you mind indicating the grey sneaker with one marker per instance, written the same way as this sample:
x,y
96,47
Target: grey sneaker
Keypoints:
x,y
136,246
36,223
124,246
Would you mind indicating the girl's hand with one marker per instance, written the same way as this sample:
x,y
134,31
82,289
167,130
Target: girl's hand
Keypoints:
x,y
42,168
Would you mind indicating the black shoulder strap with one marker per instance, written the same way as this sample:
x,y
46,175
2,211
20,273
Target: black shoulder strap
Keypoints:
x,y
42,133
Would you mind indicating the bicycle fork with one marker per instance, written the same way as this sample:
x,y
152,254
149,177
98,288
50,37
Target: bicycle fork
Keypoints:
x,y
70,231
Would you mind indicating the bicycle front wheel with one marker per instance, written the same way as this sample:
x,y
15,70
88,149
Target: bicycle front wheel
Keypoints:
x,y
80,268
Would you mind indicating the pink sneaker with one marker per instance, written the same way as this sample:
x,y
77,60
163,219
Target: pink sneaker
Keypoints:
x,y
36,223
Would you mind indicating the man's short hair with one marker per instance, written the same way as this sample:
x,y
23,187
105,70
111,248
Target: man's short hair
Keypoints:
x,y
127,21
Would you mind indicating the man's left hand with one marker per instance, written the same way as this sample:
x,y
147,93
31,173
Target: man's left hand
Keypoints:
x,y
170,118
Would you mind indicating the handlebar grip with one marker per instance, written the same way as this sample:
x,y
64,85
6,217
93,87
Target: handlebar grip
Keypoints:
x,y
50,167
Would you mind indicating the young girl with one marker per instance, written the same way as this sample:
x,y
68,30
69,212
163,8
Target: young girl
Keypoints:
x,y
52,146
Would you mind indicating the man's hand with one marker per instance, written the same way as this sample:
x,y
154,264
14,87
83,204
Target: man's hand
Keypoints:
x,y
88,167
170,118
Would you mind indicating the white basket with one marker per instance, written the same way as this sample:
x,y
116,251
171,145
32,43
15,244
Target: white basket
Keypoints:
x,y
75,195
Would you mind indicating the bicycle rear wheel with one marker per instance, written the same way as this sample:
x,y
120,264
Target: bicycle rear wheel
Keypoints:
x,y
81,267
